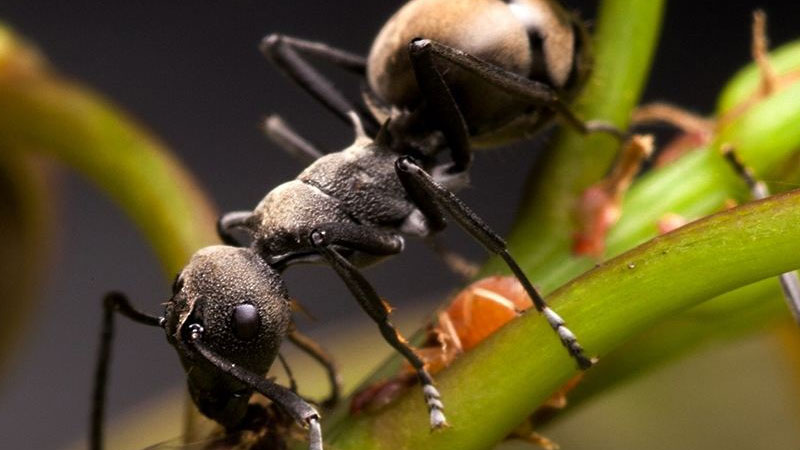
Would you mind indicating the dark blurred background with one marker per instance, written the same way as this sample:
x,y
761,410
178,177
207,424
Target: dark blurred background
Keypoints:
x,y
192,73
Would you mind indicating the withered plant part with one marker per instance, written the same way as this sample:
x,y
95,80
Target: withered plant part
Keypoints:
x,y
600,206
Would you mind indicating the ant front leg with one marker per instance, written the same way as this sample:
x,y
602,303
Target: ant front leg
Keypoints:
x,y
314,350
535,92
112,302
366,239
289,373
287,53
299,409
431,198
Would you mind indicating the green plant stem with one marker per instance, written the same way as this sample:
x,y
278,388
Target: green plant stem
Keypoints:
x,y
42,112
745,83
741,312
698,184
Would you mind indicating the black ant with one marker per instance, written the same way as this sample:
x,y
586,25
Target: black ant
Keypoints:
x,y
230,310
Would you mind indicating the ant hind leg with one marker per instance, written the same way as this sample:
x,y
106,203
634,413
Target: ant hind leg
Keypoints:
x,y
535,92
432,198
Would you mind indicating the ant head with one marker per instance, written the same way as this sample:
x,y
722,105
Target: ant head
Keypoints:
x,y
239,307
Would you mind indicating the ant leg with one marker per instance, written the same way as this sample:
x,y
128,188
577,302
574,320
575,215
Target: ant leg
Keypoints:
x,y
282,135
292,403
286,53
349,61
112,302
325,241
534,91
228,221
758,190
289,373
445,109
430,197
314,350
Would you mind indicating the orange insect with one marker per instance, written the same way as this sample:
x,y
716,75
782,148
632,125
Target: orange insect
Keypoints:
x,y
475,313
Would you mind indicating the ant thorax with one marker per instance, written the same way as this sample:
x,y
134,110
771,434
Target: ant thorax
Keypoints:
x,y
356,185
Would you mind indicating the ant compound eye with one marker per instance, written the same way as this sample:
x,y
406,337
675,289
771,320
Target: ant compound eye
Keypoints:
x,y
245,322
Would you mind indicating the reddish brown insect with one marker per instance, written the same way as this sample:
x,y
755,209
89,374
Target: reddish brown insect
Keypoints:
x,y
474,314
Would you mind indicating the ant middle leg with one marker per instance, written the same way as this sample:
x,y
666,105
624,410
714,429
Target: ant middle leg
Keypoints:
x,y
288,140
326,240
432,198
537,93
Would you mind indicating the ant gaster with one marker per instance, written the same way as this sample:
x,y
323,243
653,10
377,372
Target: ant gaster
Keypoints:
x,y
455,74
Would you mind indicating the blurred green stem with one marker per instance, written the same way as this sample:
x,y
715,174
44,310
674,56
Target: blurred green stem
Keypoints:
x,y
42,112
25,222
